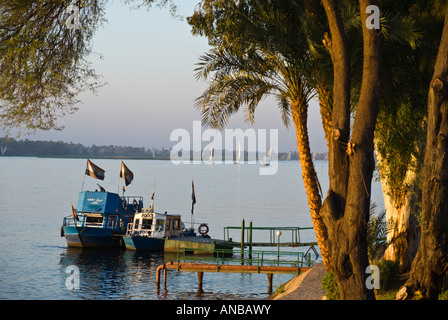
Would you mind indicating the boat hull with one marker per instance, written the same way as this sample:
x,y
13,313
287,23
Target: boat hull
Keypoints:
x,y
91,237
195,245
143,243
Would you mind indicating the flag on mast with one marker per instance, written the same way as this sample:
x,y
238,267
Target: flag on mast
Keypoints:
x,y
193,197
75,215
151,207
126,174
94,171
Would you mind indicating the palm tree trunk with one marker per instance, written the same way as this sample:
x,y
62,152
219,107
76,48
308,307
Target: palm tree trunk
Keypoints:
x,y
325,105
299,113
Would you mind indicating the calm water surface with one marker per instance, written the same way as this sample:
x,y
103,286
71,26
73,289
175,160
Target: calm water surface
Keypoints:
x,y
36,194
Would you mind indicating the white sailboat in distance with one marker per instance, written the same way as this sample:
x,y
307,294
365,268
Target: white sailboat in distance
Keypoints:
x,y
238,157
267,158
211,156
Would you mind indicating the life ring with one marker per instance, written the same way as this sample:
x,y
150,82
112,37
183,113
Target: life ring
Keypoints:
x,y
203,229
135,205
124,204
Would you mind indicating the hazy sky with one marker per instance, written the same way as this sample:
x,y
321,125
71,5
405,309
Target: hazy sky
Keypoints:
x,y
148,62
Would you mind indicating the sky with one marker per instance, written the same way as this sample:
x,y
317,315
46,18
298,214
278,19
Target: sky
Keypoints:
x,y
148,61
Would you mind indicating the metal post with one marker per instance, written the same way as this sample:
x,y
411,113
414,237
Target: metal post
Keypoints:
x,y
158,278
269,283
250,239
242,238
279,233
200,277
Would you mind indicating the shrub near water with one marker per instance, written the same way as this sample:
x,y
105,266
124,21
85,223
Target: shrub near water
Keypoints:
x,y
389,276
331,287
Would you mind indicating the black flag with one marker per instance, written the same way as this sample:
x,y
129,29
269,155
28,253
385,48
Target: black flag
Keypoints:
x,y
126,174
193,197
94,171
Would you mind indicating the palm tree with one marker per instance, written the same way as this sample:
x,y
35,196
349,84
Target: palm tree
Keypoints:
x,y
266,51
262,48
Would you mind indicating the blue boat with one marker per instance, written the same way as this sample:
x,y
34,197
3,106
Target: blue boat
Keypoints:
x,y
100,219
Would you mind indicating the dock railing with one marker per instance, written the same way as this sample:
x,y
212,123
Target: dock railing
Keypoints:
x,y
292,233
234,261
235,256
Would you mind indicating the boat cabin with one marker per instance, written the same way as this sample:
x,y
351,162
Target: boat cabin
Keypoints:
x,y
105,210
155,225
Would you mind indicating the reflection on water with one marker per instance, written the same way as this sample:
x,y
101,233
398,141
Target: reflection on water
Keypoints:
x,y
112,274
34,258
123,274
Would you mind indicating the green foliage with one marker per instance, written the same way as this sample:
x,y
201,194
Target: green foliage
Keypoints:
x,y
443,295
376,234
331,287
259,48
280,288
401,127
389,273
43,63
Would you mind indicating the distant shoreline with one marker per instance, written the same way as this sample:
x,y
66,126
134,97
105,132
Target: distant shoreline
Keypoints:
x,y
11,147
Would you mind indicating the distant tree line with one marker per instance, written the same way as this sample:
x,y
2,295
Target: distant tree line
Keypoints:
x,y
29,148
13,147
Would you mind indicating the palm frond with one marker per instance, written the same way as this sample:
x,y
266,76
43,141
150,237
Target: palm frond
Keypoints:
x,y
401,29
227,93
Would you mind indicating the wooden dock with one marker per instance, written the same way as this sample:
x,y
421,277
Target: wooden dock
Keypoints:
x,y
200,268
245,259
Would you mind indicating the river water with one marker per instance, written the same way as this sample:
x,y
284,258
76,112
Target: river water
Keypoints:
x,y
36,193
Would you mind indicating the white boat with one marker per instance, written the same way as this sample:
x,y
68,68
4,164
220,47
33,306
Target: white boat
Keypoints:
x,y
153,231
149,229
267,158
238,157
211,156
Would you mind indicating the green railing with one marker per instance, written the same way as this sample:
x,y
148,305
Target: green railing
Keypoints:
x,y
287,233
245,257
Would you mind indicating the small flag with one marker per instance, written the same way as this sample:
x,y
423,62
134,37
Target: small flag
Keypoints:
x,y
151,207
94,171
75,215
193,197
126,174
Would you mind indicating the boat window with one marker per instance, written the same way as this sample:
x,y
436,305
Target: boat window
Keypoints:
x,y
94,220
137,222
176,224
146,223
112,221
168,224
160,223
